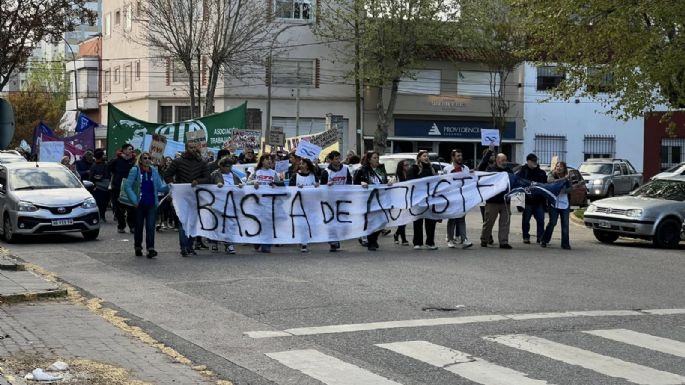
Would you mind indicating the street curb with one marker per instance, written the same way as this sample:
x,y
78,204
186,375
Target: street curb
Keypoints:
x,y
33,296
577,220
12,266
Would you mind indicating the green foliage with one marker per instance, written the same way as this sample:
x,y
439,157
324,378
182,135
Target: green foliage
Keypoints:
x,y
638,44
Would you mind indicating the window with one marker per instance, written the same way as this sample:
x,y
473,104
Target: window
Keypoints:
x,y
128,76
671,152
294,9
598,82
424,82
183,113
599,146
477,83
116,75
166,114
549,77
548,146
292,73
624,169
107,27
138,70
128,17
117,17
179,73
107,80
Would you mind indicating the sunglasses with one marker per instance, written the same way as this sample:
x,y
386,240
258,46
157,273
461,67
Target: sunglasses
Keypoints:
x,y
146,158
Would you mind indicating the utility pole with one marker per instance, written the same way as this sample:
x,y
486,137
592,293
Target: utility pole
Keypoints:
x,y
297,102
73,60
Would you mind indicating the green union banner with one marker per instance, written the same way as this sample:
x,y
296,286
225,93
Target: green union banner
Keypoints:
x,y
123,128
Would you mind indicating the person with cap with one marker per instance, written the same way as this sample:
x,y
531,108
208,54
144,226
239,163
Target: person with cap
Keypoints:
x,y
535,206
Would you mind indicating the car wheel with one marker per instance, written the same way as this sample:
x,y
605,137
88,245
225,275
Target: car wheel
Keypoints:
x,y
8,231
667,234
91,235
610,192
605,236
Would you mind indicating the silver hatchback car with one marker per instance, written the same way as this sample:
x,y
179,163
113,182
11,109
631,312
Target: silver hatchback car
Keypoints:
x,y
45,197
655,211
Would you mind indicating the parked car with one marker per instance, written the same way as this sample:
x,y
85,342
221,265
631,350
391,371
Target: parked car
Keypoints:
x,y
45,197
678,169
654,211
11,156
609,177
390,161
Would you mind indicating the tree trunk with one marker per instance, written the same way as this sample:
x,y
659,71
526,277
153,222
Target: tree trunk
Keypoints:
x,y
385,117
213,72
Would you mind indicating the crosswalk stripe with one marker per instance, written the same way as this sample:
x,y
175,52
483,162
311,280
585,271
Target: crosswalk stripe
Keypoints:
x,y
327,369
461,364
609,366
647,341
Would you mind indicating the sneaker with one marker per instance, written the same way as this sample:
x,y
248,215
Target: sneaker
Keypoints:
x,y
304,249
396,238
139,252
215,247
405,243
184,253
543,244
483,244
373,247
526,241
451,244
466,244
386,232
491,242
566,247
431,247
191,252
505,246
417,247
151,253
333,249
230,249
121,231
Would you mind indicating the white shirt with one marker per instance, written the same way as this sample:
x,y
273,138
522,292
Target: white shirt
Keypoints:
x,y
305,180
338,177
449,169
265,177
562,201
228,179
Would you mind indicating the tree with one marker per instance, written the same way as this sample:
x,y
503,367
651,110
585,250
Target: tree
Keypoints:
x,y
396,36
633,50
43,99
219,38
24,23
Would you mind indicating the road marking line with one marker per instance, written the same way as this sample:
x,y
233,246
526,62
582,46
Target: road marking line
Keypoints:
x,y
348,328
461,364
612,367
327,369
647,341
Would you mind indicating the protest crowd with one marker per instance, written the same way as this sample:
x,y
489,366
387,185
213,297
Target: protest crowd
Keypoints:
x,y
136,188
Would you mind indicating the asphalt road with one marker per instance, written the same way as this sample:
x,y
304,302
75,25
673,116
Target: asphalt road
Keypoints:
x,y
398,316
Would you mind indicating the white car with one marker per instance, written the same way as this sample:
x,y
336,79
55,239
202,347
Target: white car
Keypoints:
x,y
45,197
676,170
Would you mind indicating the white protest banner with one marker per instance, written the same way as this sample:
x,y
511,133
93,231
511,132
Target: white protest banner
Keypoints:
x,y
51,151
489,136
290,215
282,166
308,150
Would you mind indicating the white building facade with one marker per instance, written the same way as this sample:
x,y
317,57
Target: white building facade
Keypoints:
x,y
575,129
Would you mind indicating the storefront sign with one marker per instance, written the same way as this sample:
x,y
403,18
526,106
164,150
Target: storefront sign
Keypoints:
x,y
448,129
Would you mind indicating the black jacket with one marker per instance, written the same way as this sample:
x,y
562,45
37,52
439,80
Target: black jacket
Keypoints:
x,y
118,169
187,168
534,175
499,198
416,173
365,174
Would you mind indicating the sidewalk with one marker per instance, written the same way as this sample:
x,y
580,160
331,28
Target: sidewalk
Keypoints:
x,y
36,333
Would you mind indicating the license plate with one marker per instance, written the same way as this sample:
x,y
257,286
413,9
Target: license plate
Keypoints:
x,y
62,222
604,224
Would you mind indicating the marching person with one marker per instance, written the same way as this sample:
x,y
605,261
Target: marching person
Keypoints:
x,y
147,183
119,168
99,175
224,176
497,206
188,168
457,226
247,156
560,210
84,164
264,175
371,174
535,206
423,169
335,174
305,177
401,175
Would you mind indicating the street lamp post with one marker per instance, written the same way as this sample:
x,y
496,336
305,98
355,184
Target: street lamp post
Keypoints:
x,y
73,59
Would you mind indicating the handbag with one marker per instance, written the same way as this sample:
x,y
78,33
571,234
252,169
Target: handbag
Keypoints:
x,y
123,197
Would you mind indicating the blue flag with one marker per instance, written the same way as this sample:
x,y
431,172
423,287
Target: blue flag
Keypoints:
x,y
40,130
84,123
549,191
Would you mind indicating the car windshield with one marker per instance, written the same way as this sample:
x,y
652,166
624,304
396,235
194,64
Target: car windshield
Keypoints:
x,y
38,178
596,168
662,189
677,168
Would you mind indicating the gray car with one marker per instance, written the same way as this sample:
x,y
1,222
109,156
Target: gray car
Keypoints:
x,y
654,211
609,177
44,197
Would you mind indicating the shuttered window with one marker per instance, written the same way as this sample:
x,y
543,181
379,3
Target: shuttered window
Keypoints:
x,y
548,146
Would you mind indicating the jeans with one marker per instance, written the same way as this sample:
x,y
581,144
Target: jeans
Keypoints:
x,y
146,215
537,211
102,199
554,214
184,241
430,232
456,227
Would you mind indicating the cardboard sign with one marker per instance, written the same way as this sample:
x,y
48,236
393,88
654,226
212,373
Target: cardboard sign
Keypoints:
x,y
282,166
308,150
51,151
489,136
276,137
243,139
157,148
326,138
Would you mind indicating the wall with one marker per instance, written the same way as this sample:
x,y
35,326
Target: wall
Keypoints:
x,y
654,132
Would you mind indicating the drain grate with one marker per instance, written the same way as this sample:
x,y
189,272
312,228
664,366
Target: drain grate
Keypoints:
x,y
443,308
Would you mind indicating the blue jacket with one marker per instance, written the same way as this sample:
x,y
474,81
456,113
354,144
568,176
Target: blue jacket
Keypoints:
x,y
158,183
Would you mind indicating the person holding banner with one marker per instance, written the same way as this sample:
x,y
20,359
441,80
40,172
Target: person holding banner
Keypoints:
x,y
371,174
457,226
497,206
264,175
145,180
423,169
335,174
560,209
305,177
224,176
